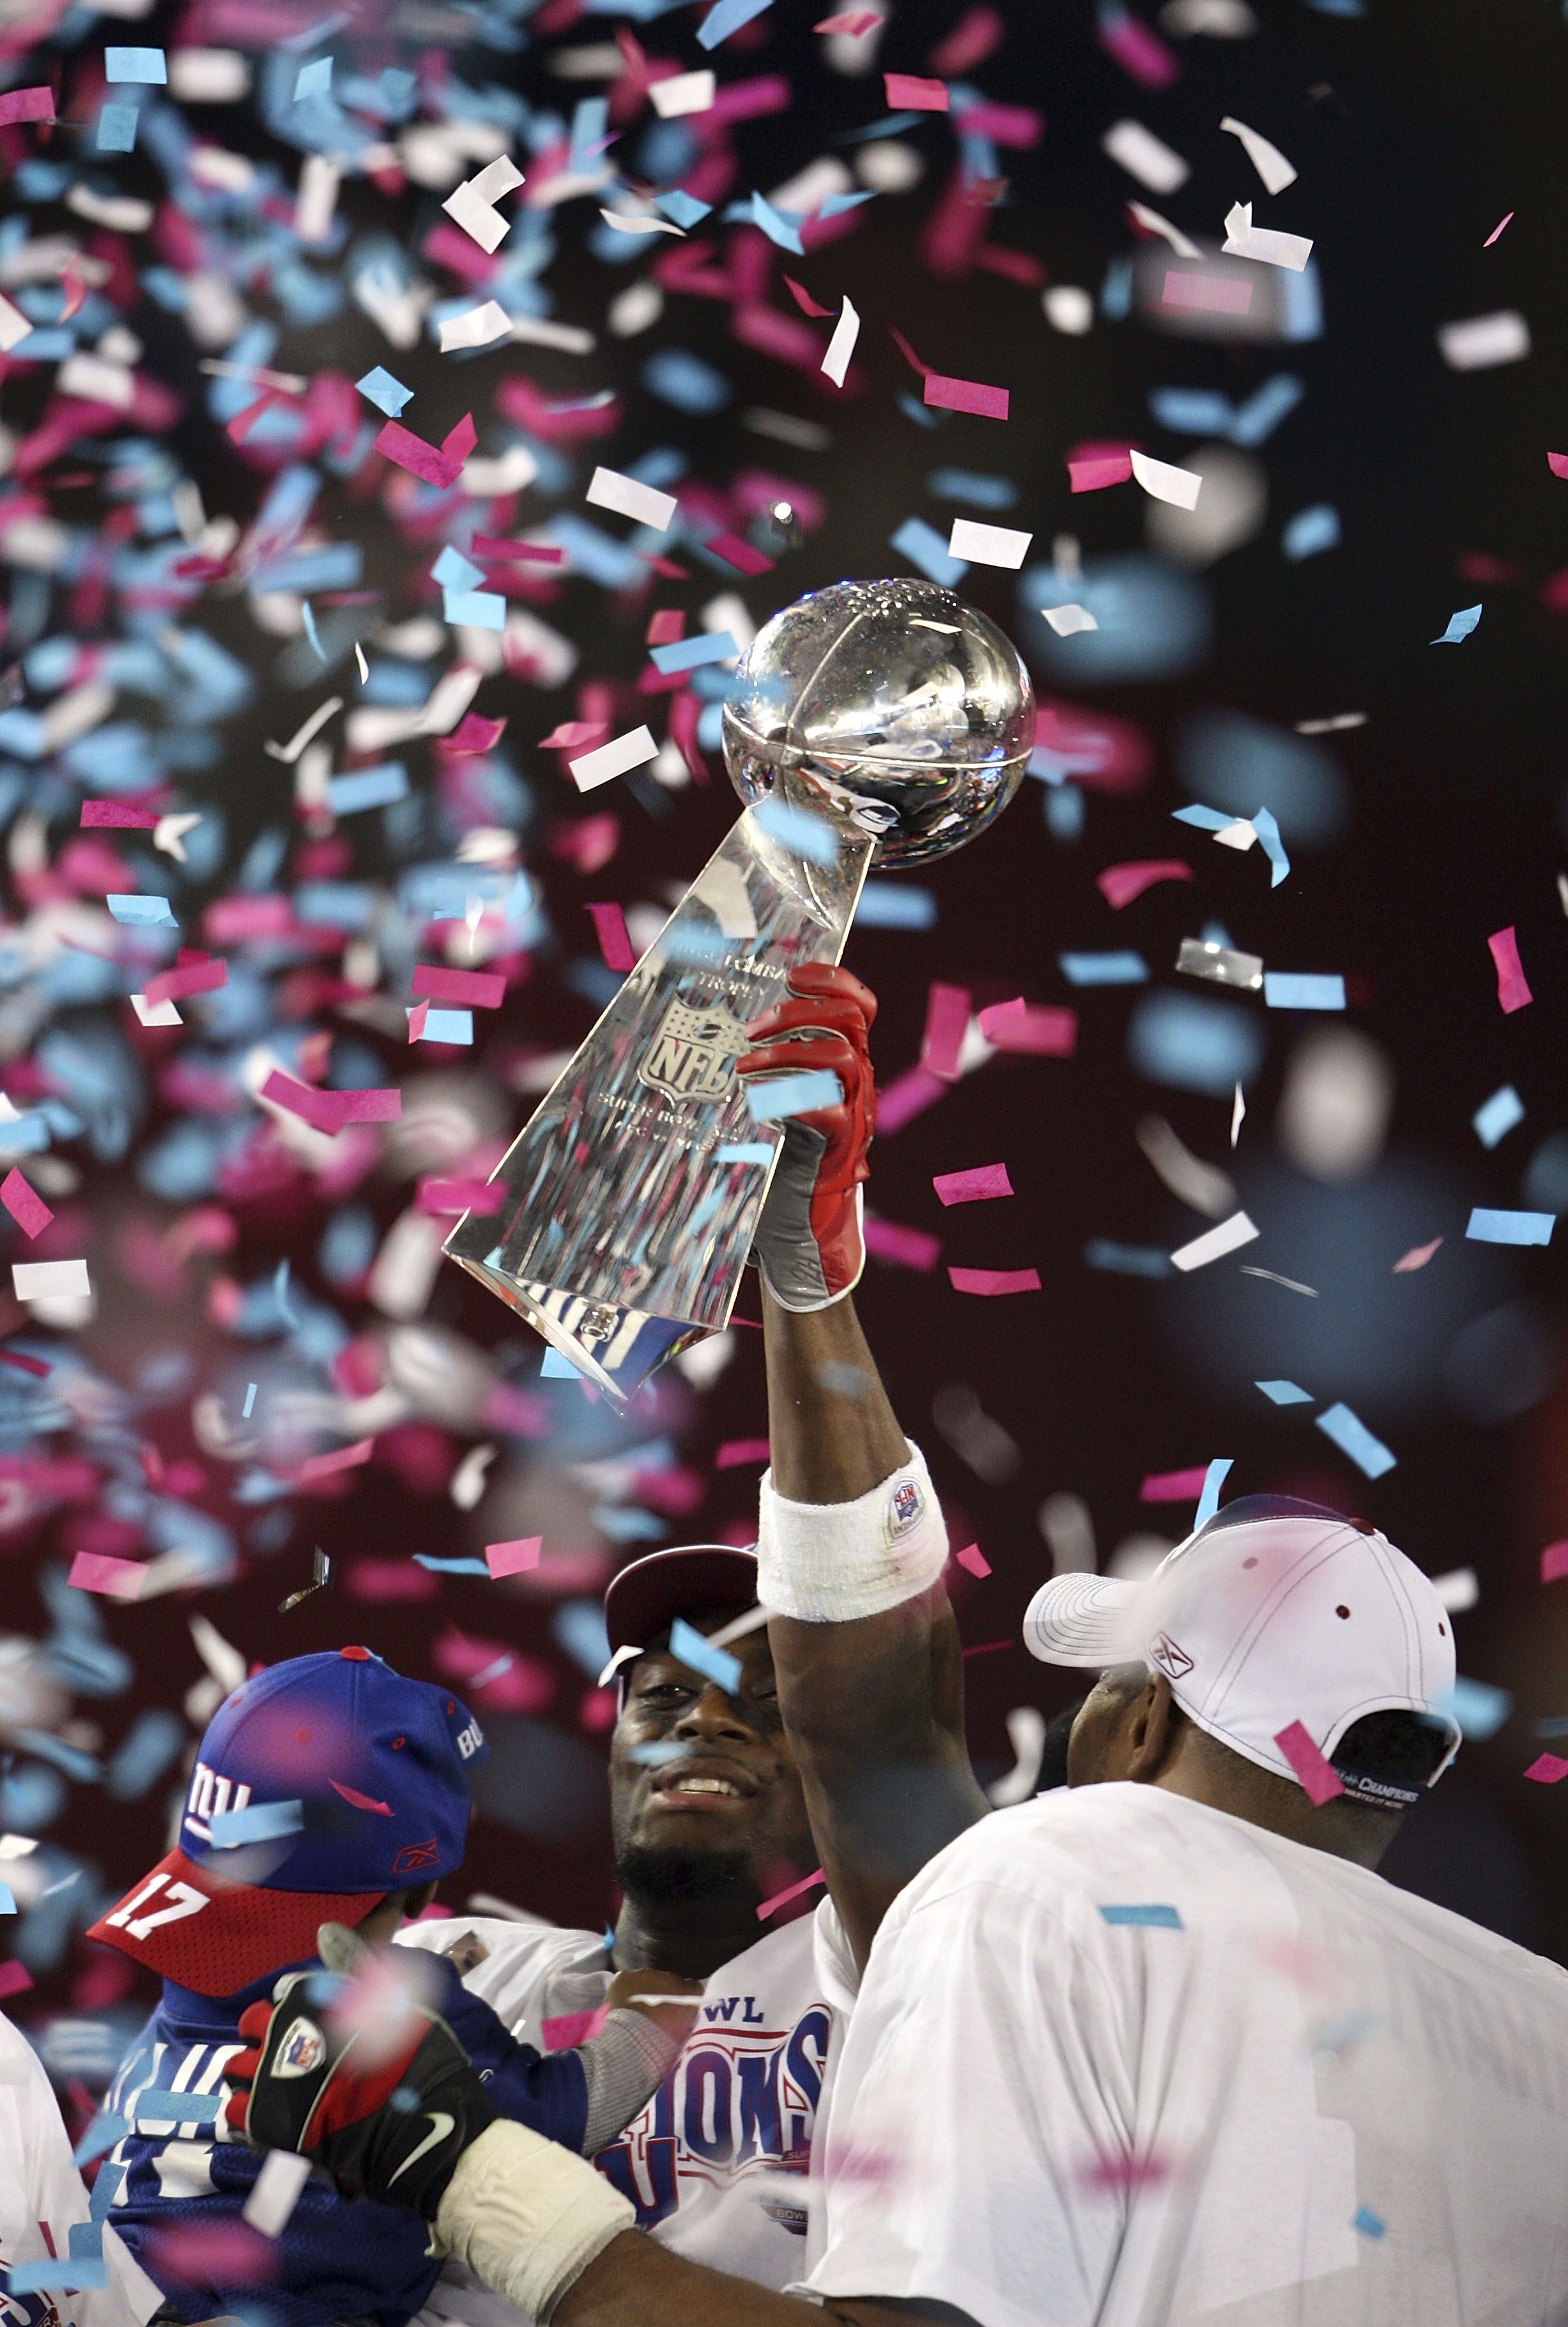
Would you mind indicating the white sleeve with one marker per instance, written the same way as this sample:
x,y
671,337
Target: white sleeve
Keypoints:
x,y
39,2184
977,2103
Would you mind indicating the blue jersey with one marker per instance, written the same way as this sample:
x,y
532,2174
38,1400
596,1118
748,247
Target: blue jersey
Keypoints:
x,y
179,2210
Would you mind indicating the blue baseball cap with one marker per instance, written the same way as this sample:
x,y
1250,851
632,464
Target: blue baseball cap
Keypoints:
x,y
322,1785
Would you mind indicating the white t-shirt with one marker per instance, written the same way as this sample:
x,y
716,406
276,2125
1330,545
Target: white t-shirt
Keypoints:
x,y
41,2195
1316,2102
705,2162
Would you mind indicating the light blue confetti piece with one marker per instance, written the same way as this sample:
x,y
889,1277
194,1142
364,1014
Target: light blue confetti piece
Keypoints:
x,y
717,1665
965,485
924,546
450,1566
85,2242
158,2105
590,122
1498,1116
385,393
7,1901
796,1094
745,1151
142,912
447,1027
1214,1478
1286,1393
314,79
307,615
454,571
100,2136
1460,626
249,1407
1511,1228
1352,1437
799,830
1103,969
1268,835
684,209
257,1822
117,128
558,1367
686,654
1479,1709
280,1294
85,1768
889,905
835,205
727,17
366,788
1192,411
44,2277
921,414
148,65
1370,2225
1312,531
1296,989
1207,819
678,378
1157,1918
1126,1259
105,2190
774,225
481,610
1261,415
693,949
658,1752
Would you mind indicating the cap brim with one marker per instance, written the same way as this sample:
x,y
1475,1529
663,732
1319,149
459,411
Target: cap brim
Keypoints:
x,y
645,1599
1084,1621
233,1937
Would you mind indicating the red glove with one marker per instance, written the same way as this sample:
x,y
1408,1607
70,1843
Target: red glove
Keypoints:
x,y
808,1242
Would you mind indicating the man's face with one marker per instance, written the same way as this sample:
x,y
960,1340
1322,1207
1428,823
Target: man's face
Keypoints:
x,y
733,1788
1101,1746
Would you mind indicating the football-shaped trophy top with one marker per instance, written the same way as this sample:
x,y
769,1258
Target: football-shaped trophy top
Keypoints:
x,y
890,708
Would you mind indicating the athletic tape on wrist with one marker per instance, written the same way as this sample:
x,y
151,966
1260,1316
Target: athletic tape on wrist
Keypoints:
x,y
830,1563
527,2217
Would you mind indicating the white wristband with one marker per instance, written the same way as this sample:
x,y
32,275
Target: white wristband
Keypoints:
x,y
527,2217
830,1563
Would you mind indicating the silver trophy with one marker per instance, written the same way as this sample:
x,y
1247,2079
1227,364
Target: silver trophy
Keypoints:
x,y
874,722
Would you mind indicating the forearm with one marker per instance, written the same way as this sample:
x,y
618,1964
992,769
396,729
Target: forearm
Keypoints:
x,y
637,2283
832,1431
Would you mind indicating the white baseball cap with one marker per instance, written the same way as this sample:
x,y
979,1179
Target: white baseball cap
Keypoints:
x,y
1274,1612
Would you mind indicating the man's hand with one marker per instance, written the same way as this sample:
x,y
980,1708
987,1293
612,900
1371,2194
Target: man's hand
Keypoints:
x,y
809,1243
359,2074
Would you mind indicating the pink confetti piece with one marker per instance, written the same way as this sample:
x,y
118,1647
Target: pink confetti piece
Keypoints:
x,y
904,1247
912,93
735,1452
436,1194
974,1559
389,1579
1555,1563
117,1579
494,549
329,1111
1094,471
417,1019
738,553
965,396
15,1979
472,735
566,2030
1173,1486
947,1023
1046,1032
906,1096
1558,464
803,298
24,1204
98,814
516,1557
1143,57
666,625
480,989
993,1281
1317,1778
359,1801
614,941
435,466
1416,1258
853,22
1496,231
908,353
202,977
27,105
343,1458
24,1364
782,1898
974,1186
1548,1769
573,734
1513,987
1211,295
1018,125
1118,884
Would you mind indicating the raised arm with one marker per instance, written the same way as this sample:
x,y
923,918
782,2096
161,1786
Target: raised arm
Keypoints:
x,y
852,1542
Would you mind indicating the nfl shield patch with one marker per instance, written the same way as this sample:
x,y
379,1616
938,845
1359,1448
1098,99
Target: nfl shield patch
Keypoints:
x,y
304,2049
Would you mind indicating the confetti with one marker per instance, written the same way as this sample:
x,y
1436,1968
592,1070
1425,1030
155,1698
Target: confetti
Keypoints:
x,y
1416,1258
689,1647
993,1281
1215,1243
965,396
796,1890
1156,1918
1316,1778
633,749
973,1187
1513,987
26,1208
1488,1227
1352,1437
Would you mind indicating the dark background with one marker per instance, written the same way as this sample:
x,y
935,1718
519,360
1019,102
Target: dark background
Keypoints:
x,y
1413,130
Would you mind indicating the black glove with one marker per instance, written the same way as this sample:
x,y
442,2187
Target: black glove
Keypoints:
x,y
385,2108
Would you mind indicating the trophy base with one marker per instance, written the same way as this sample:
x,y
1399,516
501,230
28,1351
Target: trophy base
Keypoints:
x,y
614,1349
